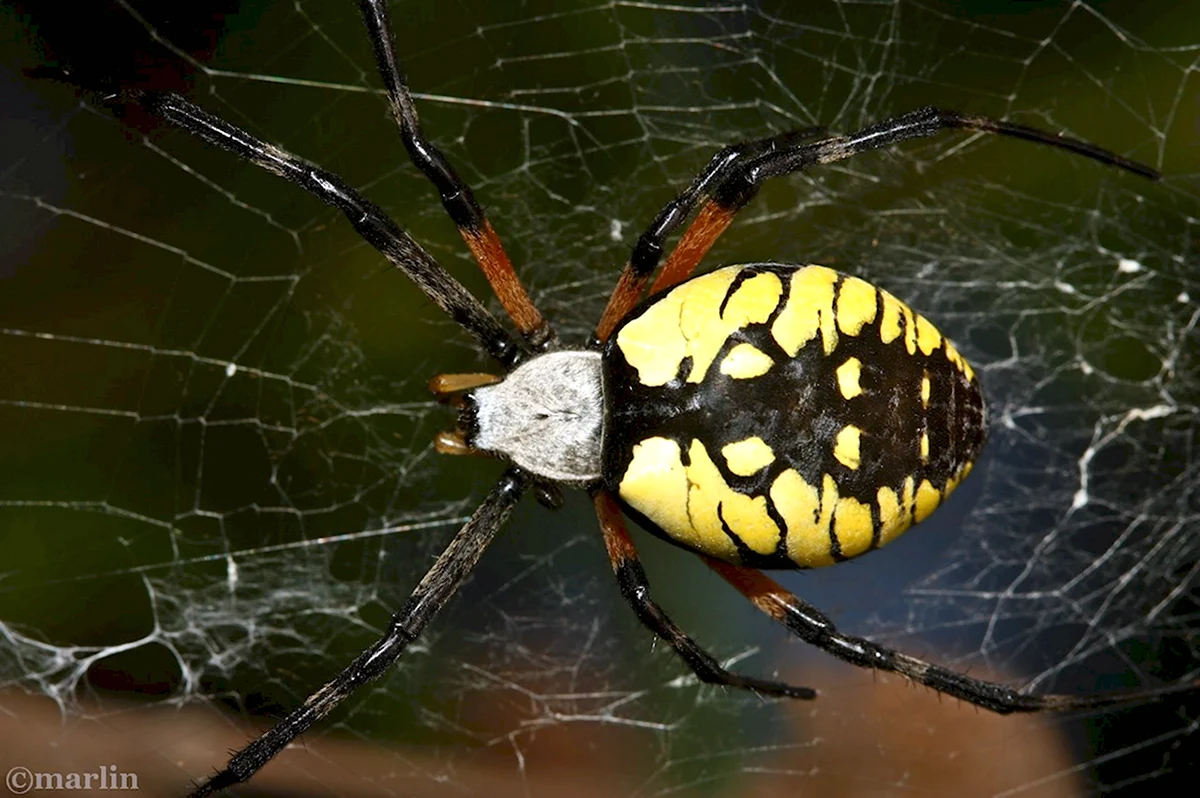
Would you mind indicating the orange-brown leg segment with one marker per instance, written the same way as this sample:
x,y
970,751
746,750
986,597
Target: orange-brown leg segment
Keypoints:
x,y
736,173
691,249
485,245
814,627
630,286
452,442
456,195
636,590
445,386
693,245
649,249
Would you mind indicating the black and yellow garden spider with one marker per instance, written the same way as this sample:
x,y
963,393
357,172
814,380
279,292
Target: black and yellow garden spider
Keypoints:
x,y
760,415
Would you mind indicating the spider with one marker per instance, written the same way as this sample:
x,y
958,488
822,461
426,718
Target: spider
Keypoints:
x,y
760,415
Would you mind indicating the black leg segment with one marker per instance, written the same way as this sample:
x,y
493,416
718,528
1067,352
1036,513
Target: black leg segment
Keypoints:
x,y
457,197
367,218
435,589
815,628
636,590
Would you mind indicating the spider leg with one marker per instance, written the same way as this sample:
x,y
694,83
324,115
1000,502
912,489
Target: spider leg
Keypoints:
x,y
649,249
367,218
741,181
445,387
815,628
636,590
435,589
457,198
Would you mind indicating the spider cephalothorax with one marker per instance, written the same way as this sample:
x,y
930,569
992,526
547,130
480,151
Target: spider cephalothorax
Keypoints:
x,y
546,417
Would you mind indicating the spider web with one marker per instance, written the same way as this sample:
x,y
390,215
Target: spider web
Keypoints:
x,y
216,476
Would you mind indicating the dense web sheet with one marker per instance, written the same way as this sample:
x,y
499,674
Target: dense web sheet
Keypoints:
x,y
217,479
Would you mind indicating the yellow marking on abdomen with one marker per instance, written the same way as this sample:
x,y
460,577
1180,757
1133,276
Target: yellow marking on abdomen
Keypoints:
x,y
907,497
893,519
706,328
846,446
910,327
848,375
889,324
959,361
928,338
747,457
856,305
656,485
807,515
853,527
709,494
807,311
952,483
688,322
689,502
928,499
693,504
898,318
746,361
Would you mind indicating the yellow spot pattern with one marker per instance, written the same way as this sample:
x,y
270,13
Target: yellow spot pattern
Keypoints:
x,y
848,375
747,457
809,311
959,361
928,499
952,483
689,502
910,328
895,511
853,527
808,515
656,485
688,322
710,499
693,504
890,325
928,338
746,361
846,447
898,318
856,305
889,508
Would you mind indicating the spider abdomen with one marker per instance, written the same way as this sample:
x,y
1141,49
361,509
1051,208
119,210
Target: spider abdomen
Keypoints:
x,y
785,416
